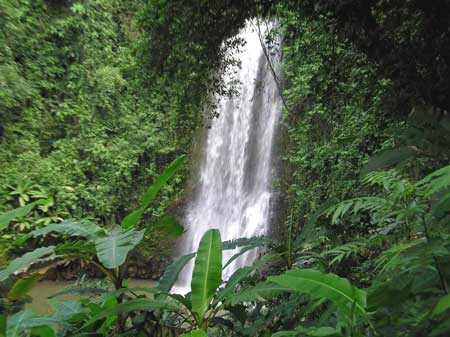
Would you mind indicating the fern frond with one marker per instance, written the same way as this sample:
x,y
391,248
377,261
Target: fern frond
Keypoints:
x,y
390,258
397,186
412,255
344,251
435,182
384,179
370,204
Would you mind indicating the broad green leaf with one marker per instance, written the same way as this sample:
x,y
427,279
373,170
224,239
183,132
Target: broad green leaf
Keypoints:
x,y
388,158
132,219
288,333
321,285
261,292
22,263
84,228
65,309
324,331
169,225
179,298
20,212
79,291
117,293
168,173
3,325
23,321
207,273
170,276
232,282
242,251
43,321
16,323
141,304
441,208
22,286
195,333
43,331
81,246
113,249
171,273
442,305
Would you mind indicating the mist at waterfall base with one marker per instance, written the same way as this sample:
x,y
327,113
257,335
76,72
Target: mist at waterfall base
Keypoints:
x,y
233,188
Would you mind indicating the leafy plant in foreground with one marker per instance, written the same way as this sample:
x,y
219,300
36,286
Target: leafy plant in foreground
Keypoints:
x,y
106,248
409,249
199,310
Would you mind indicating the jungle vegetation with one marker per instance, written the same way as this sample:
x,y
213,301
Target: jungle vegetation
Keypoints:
x,y
101,105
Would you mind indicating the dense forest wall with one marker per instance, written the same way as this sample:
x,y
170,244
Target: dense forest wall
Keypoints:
x,y
82,122
338,116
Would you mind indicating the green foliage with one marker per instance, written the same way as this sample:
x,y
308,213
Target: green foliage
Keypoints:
x,y
22,286
3,324
171,273
314,332
410,269
195,333
441,306
77,119
21,264
113,248
260,292
133,218
313,282
96,96
338,116
17,323
20,212
134,305
207,274
82,228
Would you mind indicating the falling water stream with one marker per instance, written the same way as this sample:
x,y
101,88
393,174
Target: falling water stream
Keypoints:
x,y
233,189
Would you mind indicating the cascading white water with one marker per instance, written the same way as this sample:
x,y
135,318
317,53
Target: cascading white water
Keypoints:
x,y
233,190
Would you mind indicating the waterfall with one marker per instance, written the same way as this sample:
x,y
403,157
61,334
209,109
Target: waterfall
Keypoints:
x,y
233,190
